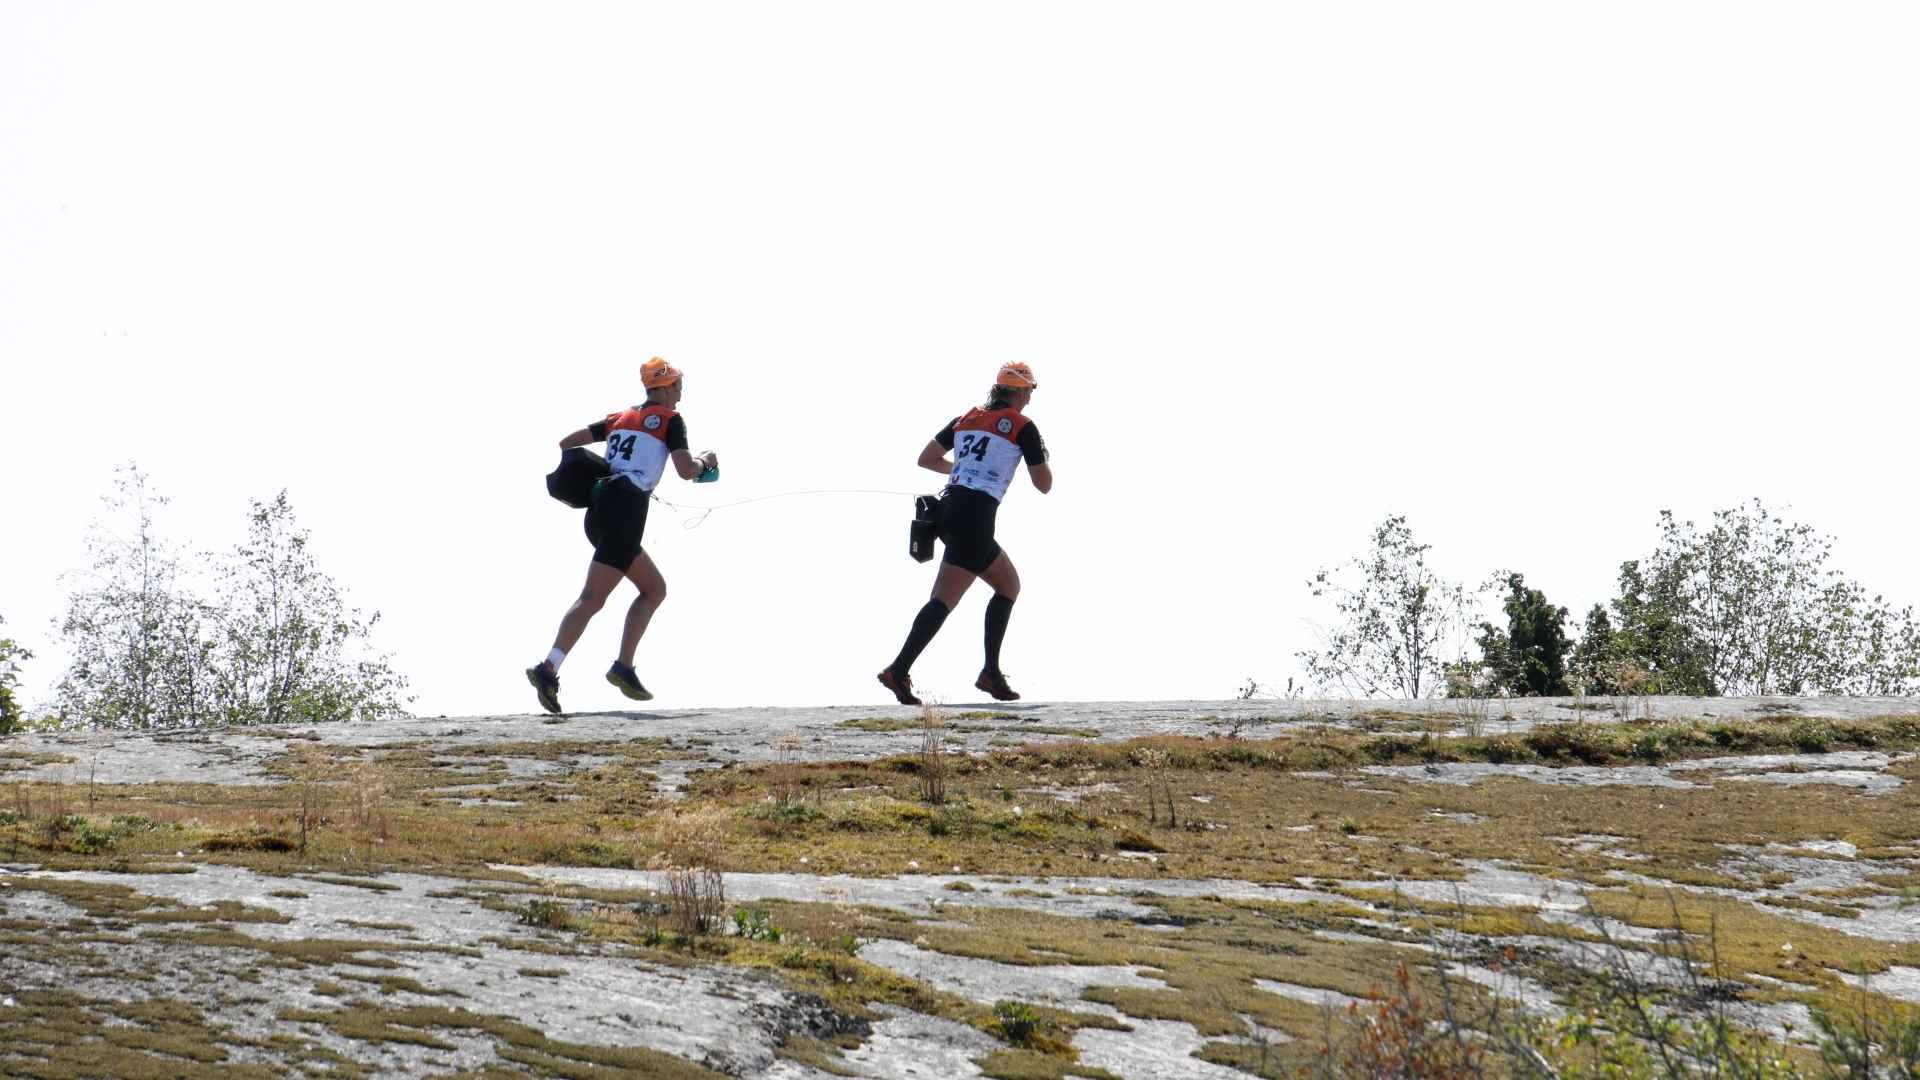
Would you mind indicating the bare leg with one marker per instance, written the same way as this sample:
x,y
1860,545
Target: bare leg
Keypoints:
x,y
601,579
1002,576
653,590
952,583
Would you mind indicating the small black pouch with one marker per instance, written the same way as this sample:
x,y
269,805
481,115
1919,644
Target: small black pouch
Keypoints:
x,y
920,537
574,480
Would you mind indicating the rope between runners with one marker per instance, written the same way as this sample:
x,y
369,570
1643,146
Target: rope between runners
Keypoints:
x,y
704,512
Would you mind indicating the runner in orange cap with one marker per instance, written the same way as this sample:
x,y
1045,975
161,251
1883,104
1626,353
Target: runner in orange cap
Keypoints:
x,y
988,445
641,441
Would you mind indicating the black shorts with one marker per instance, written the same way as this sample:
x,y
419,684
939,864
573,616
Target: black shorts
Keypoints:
x,y
966,528
616,518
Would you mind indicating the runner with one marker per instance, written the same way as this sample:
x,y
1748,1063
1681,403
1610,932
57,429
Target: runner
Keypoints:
x,y
640,442
992,441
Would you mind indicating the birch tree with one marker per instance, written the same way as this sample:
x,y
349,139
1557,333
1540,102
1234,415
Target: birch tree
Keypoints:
x,y
1398,622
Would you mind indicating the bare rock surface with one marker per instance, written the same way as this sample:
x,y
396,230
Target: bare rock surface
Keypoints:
x,y
719,736
452,942
728,1019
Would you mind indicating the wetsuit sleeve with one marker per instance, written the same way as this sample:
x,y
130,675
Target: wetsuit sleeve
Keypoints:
x,y
598,429
945,438
676,434
1032,447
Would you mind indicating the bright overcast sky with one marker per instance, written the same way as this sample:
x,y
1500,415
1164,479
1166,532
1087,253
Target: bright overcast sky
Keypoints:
x,y
1527,273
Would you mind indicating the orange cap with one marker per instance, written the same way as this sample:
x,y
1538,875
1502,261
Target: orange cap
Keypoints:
x,y
656,373
1017,374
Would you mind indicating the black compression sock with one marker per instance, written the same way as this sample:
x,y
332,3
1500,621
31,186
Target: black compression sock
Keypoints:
x,y
999,610
925,625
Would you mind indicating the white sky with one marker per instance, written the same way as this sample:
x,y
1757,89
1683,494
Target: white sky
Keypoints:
x,y
1527,273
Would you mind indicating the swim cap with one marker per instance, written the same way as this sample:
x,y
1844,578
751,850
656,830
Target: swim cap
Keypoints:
x,y
1016,374
656,373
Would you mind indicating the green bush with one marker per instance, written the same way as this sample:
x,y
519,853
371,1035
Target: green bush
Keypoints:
x,y
1648,747
88,838
1812,736
1016,1020
755,924
546,913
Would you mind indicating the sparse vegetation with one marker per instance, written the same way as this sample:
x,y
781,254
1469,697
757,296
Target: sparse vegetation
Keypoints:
x,y
1298,811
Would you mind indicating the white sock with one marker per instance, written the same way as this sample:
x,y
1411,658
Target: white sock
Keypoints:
x,y
555,658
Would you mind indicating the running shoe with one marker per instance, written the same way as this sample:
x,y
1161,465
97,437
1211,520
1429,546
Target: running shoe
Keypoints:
x,y
628,681
901,685
995,684
546,682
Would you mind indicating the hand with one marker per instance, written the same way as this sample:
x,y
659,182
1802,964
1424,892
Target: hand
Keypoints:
x,y
712,461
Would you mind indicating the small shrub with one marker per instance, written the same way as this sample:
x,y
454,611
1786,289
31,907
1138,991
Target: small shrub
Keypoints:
x,y
546,913
1016,1020
776,816
755,924
1133,841
1732,736
1506,749
129,824
55,827
1812,736
88,838
1648,747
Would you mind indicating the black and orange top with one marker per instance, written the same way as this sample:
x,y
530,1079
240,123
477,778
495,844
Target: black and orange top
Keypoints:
x,y
988,445
640,440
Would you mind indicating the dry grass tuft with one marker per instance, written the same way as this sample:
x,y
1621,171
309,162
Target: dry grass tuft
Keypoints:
x,y
310,769
692,846
691,836
786,788
1153,760
697,897
367,786
932,757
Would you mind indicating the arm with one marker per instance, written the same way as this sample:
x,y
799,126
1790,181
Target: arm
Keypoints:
x,y
684,462
689,466
1033,450
933,458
